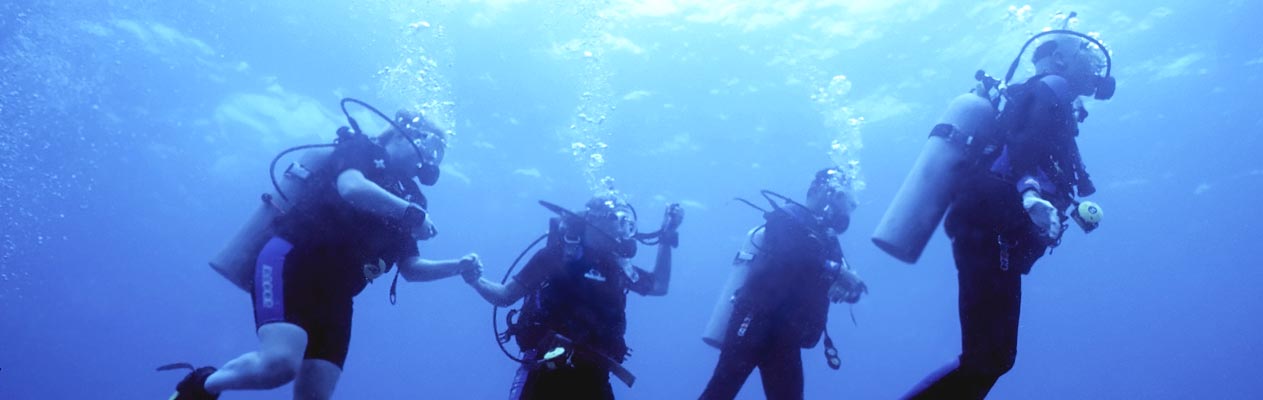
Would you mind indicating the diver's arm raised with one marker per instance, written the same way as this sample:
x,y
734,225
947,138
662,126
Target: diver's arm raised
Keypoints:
x,y
661,271
669,240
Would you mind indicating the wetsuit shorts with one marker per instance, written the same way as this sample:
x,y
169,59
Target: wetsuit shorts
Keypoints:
x,y
291,286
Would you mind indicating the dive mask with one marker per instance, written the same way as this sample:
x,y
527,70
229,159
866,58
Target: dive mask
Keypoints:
x,y
838,205
615,218
431,150
837,212
1104,87
1102,82
427,174
620,223
429,143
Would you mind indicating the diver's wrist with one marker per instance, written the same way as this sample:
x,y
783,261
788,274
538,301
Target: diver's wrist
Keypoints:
x,y
412,215
1029,193
669,239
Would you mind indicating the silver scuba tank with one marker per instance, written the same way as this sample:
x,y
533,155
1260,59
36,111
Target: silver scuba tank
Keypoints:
x,y
717,327
236,261
922,200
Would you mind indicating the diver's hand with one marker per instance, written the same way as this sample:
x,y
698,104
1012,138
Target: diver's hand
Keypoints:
x,y
470,268
673,218
847,287
671,221
1042,213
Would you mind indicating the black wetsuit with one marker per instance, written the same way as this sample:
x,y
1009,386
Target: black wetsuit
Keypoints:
x,y
326,252
780,311
584,300
994,241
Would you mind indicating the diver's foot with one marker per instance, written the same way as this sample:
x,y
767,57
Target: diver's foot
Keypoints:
x,y
193,386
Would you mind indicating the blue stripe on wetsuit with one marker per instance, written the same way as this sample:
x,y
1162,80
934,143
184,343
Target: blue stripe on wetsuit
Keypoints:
x,y
269,282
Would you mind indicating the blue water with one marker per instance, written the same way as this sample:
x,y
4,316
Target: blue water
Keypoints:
x,y
135,136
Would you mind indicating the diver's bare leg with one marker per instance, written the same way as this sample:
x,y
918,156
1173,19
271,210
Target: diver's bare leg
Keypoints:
x,y
280,355
317,380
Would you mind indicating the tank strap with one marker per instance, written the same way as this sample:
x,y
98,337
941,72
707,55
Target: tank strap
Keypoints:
x,y
951,134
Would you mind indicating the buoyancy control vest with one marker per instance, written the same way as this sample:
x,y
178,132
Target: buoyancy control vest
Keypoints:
x,y
583,296
1038,127
321,213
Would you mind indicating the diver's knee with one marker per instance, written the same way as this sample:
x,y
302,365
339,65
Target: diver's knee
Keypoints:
x,y
278,370
994,365
1002,366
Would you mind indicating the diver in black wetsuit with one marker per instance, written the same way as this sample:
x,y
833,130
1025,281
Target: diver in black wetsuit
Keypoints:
x,y
362,215
573,317
1008,213
792,268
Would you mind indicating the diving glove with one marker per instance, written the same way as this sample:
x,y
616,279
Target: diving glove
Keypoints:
x,y
1042,213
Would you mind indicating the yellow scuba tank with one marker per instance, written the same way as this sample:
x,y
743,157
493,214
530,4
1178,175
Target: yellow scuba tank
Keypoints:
x,y
922,200
717,327
236,261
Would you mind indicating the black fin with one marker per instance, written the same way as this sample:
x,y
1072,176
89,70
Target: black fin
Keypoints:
x,y
175,366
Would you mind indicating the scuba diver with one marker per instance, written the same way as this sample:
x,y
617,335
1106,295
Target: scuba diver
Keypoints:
x,y
1006,183
777,300
342,217
573,319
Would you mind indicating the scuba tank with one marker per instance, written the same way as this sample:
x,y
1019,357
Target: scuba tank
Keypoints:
x,y
236,261
922,200
717,327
